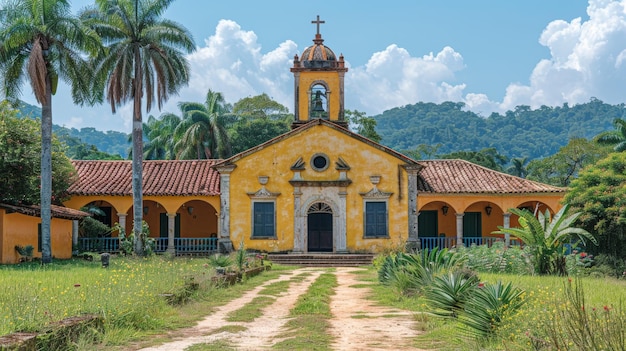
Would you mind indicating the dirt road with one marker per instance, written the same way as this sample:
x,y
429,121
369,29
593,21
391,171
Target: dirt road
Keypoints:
x,y
357,323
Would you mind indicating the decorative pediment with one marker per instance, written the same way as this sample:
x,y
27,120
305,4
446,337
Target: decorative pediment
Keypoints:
x,y
321,183
298,165
342,165
376,193
263,193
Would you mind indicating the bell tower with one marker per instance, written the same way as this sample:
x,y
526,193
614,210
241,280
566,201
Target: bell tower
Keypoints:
x,y
318,83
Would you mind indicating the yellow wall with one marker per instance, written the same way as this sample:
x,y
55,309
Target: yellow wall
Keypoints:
x,y
275,161
306,81
478,202
201,223
19,229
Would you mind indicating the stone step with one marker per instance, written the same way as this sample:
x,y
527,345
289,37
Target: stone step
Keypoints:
x,y
322,260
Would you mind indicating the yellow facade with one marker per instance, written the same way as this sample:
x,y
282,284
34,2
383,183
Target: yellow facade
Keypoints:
x,y
498,204
275,162
331,79
20,229
316,188
198,215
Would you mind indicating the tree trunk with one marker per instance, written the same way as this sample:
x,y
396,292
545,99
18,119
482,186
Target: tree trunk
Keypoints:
x,y
137,156
46,174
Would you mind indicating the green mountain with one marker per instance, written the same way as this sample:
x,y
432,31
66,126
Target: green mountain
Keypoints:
x,y
111,142
519,133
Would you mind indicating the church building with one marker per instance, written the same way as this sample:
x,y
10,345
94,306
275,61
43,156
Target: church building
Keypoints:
x,y
322,188
317,188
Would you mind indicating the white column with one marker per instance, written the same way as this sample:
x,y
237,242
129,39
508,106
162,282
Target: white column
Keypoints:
x,y
507,224
75,234
122,221
171,233
459,229
413,235
224,242
341,228
298,235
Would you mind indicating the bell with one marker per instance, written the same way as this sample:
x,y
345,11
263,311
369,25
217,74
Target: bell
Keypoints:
x,y
318,107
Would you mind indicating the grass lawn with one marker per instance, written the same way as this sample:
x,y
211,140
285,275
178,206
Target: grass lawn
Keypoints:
x,y
545,297
129,294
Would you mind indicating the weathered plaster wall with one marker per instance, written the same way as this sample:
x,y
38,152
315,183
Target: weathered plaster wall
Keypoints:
x,y
478,202
19,229
202,222
307,79
275,162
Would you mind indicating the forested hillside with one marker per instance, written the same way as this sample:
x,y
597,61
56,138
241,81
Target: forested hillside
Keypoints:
x,y
111,142
520,133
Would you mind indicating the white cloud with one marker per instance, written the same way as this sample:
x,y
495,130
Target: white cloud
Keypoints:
x,y
586,61
231,62
393,78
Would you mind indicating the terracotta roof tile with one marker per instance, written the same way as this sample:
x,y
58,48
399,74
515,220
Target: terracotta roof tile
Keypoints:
x,y
56,211
460,176
160,178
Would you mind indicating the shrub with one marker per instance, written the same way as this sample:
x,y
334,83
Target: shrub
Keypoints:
x,y
448,293
93,228
611,265
498,258
127,243
25,251
240,257
220,261
576,326
546,236
488,306
411,273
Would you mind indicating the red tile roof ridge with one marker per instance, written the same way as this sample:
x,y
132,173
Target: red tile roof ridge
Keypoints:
x,y
160,177
462,176
55,210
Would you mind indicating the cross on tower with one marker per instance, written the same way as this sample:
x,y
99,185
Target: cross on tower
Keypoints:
x,y
318,22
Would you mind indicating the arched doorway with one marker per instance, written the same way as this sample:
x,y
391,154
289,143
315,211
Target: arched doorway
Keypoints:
x,y
320,228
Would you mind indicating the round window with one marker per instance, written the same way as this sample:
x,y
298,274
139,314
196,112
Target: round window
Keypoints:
x,y
319,162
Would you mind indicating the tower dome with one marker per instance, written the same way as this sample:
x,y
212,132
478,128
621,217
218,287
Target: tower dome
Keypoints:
x,y
318,89
319,55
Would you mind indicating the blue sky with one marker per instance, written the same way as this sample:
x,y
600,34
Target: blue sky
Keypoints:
x,y
491,55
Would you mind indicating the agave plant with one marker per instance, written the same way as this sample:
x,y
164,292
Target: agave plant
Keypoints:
x,y
411,273
546,236
489,306
448,293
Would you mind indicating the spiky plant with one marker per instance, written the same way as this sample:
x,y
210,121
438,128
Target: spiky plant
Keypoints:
x,y
546,236
448,293
489,306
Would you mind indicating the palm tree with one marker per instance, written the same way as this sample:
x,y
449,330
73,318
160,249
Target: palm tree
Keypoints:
x,y
159,133
518,167
40,41
202,132
546,235
616,137
144,57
